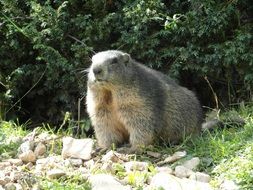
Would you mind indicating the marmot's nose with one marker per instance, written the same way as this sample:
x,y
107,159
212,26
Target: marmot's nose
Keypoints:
x,y
97,71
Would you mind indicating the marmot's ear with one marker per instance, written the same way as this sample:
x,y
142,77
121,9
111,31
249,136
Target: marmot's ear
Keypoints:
x,y
126,57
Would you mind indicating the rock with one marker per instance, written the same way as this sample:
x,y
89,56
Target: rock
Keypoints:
x,y
136,165
229,185
55,173
76,161
110,156
199,176
77,148
16,162
170,182
28,156
40,150
181,171
15,175
154,154
164,169
10,186
192,164
29,166
4,179
4,164
26,146
1,187
108,167
43,136
176,156
108,182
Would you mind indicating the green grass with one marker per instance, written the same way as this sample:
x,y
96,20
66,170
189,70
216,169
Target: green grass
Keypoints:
x,y
9,131
225,153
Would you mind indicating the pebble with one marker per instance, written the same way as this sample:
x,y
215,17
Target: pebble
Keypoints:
x,y
192,164
77,148
55,173
26,146
176,156
154,154
136,166
16,162
182,172
76,161
28,156
199,176
105,181
110,156
40,150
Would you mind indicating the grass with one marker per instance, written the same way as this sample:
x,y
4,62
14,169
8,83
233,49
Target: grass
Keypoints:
x,y
225,153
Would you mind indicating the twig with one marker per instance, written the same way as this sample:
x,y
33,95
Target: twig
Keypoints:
x,y
214,94
28,91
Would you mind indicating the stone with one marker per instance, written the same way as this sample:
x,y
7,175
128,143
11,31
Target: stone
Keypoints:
x,y
10,186
136,166
76,161
55,173
15,175
4,164
229,185
170,182
154,154
40,150
28,156
16,162
77,148
181,171
176,156
192,164
26,146
110,156
1,187
108,182
108,167
164,169
199,176
4,179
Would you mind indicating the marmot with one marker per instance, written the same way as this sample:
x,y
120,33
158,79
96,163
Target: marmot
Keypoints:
x,y
129,102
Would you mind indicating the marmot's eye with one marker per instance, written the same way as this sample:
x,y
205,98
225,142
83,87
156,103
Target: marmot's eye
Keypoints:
x,y
114,61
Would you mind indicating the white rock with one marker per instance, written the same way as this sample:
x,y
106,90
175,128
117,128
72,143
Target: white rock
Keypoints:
x,y
76,161
26,146
170,182
10,186
192,164
4,164
154,154
136,166
15,175
16,162
40,150
106,182
77,148
176,156
108,167
4,179
165,169
199,176
28,156
181,171
229,185
55,173
110,156
1,187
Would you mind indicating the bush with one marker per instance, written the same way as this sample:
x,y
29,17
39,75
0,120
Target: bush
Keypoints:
x,y
46,43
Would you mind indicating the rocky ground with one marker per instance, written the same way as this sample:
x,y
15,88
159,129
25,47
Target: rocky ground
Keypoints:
x,y
45,156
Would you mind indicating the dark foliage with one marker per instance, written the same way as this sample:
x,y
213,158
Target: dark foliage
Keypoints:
x,y
48,42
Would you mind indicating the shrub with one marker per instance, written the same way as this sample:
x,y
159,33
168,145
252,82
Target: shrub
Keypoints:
x,y
46,43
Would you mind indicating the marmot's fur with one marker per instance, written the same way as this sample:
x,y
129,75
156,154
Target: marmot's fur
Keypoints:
x,y
129,102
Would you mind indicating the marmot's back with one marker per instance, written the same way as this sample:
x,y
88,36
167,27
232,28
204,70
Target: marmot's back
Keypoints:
x,y
129,101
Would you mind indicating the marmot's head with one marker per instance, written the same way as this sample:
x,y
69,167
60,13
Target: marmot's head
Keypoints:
x,y
109,67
